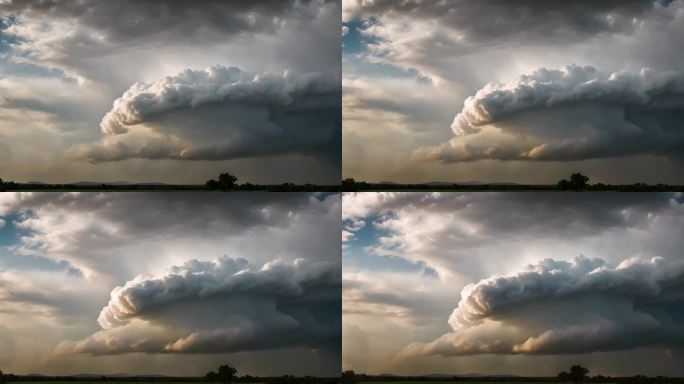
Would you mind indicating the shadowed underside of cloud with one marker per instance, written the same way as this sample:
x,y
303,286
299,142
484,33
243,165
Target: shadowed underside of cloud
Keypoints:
x,y
558,307
575,113
221,113
221,307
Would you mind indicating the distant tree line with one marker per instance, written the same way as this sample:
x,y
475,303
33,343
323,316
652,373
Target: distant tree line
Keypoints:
x,y
225,374
228,182
577,182
225,182
577,375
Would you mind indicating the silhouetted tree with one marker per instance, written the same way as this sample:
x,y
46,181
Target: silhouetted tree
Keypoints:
x,y
226,373
226,181
349,185
212,184
212,376
2,375
349,377
564,185
578,374
564,376
578,181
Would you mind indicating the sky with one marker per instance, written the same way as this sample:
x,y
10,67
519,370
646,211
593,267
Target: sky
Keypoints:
x,y
513,283
165,91
513,91
170,283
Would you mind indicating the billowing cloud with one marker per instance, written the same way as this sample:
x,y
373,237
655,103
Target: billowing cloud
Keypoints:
x,y
559,307
222,306
575,113
221,113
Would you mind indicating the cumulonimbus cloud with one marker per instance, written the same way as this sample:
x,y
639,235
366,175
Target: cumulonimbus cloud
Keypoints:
x,y
575,113
221,113
559,307
221,307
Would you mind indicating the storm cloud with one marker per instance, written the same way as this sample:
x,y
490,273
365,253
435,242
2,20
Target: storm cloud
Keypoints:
x,y
496,283
84,275
64,64
222,306
408,63
221,113
559,307
575,113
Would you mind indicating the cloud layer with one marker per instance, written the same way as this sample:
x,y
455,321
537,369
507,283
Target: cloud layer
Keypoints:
x,y
575,113
160,19
222,306
559,307
502,20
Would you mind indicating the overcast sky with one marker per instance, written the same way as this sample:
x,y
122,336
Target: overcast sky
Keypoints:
x,y
173,284
513,283
170,91
513,91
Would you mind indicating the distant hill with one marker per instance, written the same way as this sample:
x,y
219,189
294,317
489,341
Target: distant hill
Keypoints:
x,y
446,375
86,183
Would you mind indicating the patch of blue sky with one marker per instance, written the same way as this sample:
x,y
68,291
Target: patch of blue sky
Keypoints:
x,y
9,233
10,238
7,40
9,66
355,43
357,252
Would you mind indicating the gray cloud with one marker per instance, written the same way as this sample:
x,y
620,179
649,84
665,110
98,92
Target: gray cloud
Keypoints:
x,y
575,113
222,113
130,20
499,214
558,307
101,233
501,20
222,306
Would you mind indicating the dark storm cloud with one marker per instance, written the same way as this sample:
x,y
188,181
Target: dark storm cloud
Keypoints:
x,y
575,113
499,214
131,20
220,307
502,20
559,307
222,113
154,213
